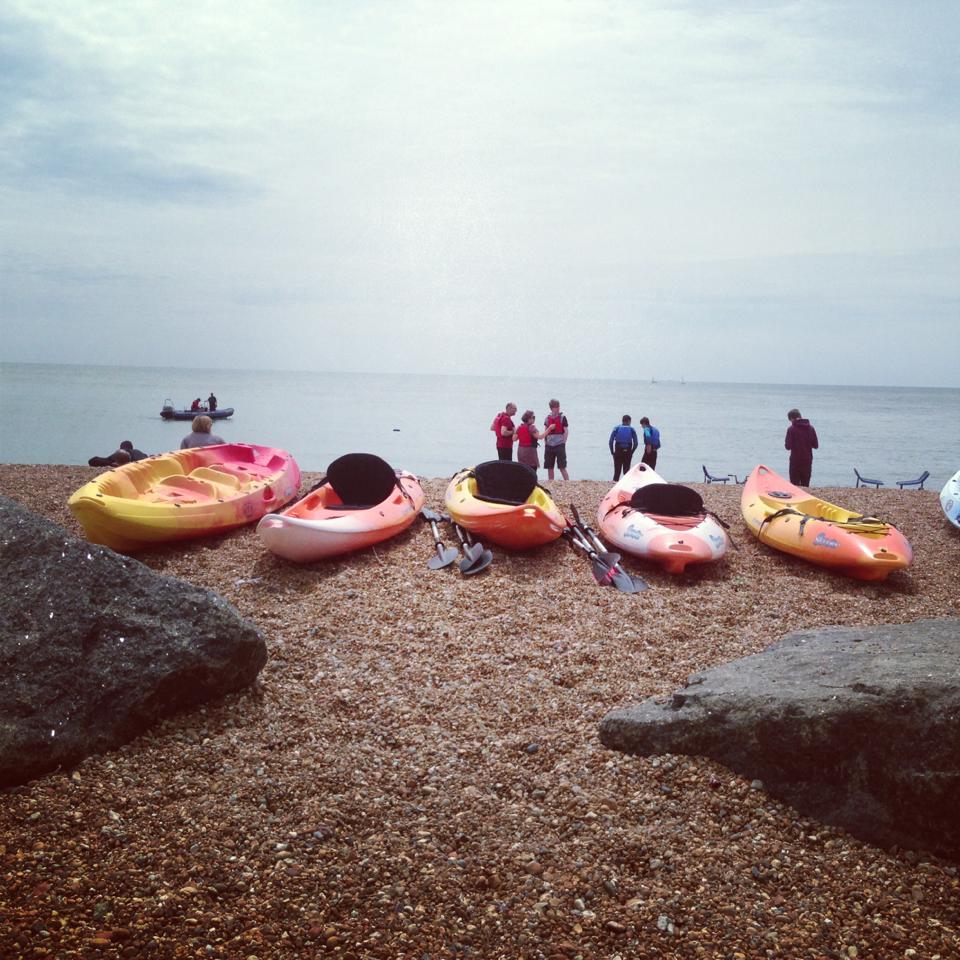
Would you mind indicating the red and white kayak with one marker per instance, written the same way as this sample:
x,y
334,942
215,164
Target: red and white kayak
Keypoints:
x,y
362,501
659,521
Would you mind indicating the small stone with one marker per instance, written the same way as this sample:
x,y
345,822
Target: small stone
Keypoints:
x,y
756,784
615,926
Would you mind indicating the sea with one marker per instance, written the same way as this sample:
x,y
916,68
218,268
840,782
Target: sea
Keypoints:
x,y
433,425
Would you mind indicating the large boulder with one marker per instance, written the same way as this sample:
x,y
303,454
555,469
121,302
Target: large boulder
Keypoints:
x,y
855,726
95,647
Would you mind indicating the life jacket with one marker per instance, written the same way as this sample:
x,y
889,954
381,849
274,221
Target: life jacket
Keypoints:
x,y
654,437
624,436
497,425
524,435
557,421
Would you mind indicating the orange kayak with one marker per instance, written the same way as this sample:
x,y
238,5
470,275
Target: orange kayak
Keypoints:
x,y
501,501
362,501
796,522
183,494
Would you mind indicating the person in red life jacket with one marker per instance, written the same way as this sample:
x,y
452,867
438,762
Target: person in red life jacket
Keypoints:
x,y
556,431
503,427
623,441
801,441
651,443
195,405
528,437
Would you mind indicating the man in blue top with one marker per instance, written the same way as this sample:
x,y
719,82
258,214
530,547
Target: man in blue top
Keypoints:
x,y
651,443
623,441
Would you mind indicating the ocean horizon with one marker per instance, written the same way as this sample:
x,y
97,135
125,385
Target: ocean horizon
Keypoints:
x,y
434,424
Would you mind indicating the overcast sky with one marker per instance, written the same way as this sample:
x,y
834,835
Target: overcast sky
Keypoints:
x,y
740,191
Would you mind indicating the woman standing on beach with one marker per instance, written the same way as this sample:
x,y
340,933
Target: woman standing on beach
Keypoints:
x,y
528,436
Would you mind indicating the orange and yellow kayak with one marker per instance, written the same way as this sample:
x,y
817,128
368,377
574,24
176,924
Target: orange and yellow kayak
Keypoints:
x,y
184,494
793,520
501,501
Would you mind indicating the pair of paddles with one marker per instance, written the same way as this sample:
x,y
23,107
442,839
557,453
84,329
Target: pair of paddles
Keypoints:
x,y
475,556
607,570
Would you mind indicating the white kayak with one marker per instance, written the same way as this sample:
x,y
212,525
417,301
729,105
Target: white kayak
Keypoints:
x,y
362,501
950,499
666,523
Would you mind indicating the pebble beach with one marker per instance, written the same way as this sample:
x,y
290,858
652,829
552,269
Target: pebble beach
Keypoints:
x,y
417,771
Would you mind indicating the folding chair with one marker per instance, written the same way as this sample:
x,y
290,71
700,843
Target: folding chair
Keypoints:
x,y
866,481
712,479
914,483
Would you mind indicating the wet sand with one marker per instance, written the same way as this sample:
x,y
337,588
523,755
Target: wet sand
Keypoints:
x,y
417,771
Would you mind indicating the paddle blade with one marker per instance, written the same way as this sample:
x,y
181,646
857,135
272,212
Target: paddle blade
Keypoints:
x,y
484,561
442,558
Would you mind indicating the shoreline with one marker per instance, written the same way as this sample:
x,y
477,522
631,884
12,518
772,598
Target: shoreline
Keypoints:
x,y
417,770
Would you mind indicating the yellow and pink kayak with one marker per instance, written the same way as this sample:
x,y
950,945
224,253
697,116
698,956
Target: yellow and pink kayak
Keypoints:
x,y
793,520
184,494
362,501
501,501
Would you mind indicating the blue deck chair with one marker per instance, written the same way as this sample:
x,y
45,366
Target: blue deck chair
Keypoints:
x,y
914,483
866,481
712,479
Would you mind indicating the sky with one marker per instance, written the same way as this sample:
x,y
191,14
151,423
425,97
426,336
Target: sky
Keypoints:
x,y
741,191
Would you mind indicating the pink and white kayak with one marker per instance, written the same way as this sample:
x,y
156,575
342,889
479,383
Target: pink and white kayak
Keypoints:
x,y
666,523
362,501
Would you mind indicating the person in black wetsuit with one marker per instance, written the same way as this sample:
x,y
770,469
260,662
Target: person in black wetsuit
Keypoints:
x,y
125,453
211,402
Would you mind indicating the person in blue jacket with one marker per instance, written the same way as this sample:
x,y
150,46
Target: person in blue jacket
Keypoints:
x,y
623,441
651,443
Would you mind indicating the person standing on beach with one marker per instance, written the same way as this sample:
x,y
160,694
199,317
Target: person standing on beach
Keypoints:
x,y
651,443
623,441
528,437
555,443
503,427
801,441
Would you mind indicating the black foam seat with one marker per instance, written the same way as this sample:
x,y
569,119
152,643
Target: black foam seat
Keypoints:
x,y
361,479
667,500
504,481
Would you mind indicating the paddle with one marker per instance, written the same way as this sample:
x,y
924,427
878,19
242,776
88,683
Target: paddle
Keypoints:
x,y
445,555
604,573
475,557
620,576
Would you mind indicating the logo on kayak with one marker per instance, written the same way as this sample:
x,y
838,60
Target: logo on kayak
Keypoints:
x,y
715,540
632,533
823,540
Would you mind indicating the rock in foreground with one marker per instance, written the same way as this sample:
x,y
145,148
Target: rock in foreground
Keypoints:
x,y
96,647
857,727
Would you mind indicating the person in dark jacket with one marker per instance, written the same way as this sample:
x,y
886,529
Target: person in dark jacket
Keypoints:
x,y
125,453
623,441
801,441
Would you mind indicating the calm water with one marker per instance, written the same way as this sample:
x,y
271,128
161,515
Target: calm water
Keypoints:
x,y
432,425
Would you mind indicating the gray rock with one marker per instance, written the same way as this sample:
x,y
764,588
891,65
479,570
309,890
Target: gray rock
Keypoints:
x,y
95,647
858,727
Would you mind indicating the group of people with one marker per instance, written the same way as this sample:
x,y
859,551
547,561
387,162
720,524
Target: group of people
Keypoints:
x,y
198,404
624,441
555,433
527,436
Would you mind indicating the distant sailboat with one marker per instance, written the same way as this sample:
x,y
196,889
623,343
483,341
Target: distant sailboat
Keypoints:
x,y
683,382
652,380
